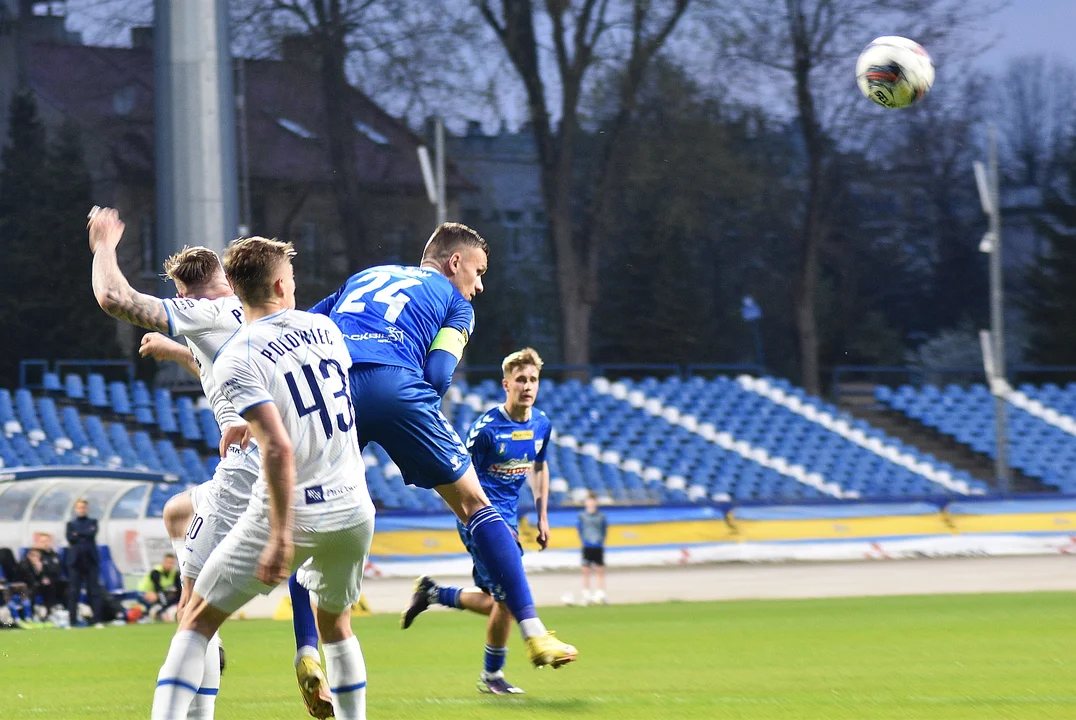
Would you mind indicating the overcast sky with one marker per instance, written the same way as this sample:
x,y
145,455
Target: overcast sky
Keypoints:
x,y
1028,27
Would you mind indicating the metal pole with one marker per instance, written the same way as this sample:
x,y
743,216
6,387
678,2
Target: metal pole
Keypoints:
x,y
244,157
997,320
439,140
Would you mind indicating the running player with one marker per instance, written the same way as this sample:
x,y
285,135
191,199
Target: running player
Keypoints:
x,y
206,313
286,372
507,444
406,328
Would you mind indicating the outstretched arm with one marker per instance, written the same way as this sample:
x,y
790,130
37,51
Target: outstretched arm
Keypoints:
x,y
114,294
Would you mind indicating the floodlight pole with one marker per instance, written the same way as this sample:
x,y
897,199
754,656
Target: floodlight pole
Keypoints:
x,y
990,197
439,148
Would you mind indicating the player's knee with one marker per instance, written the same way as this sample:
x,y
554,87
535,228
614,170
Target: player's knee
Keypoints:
x,y
178,512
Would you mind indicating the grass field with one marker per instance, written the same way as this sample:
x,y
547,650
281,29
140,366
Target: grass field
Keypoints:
x,y
985,656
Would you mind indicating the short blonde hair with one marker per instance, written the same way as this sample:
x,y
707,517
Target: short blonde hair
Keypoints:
x,y
521,358
192,266
250,263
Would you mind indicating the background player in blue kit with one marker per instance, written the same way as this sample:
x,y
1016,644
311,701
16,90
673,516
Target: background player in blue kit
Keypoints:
x,y
507,445
406,328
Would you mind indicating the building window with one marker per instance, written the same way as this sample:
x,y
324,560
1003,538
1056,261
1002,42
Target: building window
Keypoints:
x,y
513,235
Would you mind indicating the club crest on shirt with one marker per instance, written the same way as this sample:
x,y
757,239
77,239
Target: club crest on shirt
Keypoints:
x,y
502,448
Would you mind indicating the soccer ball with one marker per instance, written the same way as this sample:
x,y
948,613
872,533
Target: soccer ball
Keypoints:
x,y
894,71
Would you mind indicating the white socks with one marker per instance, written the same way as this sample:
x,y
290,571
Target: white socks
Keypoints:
x,y
205,701
307,651
531,627
180,676
345,669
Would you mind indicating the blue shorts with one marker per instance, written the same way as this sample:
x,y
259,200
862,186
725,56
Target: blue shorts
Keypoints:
x,y
483,580
397,409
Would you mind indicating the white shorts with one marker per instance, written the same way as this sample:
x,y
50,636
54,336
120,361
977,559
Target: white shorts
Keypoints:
x,y
218,505
331,561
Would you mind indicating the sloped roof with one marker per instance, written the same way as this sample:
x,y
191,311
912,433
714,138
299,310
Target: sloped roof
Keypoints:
x,y
109,92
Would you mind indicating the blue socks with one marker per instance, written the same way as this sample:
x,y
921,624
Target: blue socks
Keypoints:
x,y
495,657
498,549
302,616
449,597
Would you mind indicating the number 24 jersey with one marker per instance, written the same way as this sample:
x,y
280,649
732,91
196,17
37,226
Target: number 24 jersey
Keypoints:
x,y
390,314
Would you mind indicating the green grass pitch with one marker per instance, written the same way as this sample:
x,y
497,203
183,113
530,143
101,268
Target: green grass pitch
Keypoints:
x,y
930,657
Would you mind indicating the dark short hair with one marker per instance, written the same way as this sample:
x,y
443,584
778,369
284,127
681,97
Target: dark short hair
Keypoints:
x,y
451,237
250,263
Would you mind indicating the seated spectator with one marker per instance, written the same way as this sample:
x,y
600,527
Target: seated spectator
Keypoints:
x,y
160,588
15,607
43,590
50,559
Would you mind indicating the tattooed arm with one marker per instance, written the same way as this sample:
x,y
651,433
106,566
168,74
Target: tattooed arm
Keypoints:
x,y
114,294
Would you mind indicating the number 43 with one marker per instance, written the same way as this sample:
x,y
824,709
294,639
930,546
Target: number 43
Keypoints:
x,y
389,295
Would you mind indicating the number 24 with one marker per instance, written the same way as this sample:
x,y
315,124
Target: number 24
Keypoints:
x,y
389,295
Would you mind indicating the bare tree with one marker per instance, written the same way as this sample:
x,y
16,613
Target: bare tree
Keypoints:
x,y
802,40
1036,108
626,36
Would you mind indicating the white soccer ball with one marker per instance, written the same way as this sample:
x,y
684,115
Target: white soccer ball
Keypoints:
x,y
894,71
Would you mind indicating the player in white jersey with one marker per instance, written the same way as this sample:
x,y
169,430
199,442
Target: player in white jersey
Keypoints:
x,y
206,313
286,373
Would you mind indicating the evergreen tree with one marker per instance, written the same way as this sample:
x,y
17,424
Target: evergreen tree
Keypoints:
x,y
85,331
25,211
47,310
1050,301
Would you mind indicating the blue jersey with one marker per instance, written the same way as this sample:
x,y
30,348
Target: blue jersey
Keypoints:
x,y
504,451
390,314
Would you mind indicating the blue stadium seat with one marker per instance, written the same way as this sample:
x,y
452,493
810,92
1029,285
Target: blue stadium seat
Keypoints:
x,y
140,396
119,399
74,387
96,392
9,423
27,415
166,415
143,447
188,422
121,443
51,383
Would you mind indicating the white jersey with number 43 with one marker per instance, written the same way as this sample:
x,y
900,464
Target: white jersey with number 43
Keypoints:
x,y
298,362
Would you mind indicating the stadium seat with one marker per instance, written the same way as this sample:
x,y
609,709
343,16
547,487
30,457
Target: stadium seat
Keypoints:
x,y
74,388
51,384
165,413
27,415
188,422
96,392
119,398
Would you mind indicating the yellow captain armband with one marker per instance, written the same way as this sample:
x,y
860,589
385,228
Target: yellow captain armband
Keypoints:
x,y
450,340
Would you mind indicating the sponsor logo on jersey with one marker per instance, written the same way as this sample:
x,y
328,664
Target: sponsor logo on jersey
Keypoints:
x,y
456,462
523,435
318,494
510,469
538,445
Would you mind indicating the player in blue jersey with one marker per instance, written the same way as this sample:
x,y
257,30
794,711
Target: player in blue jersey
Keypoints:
x,y
507,445
406,328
